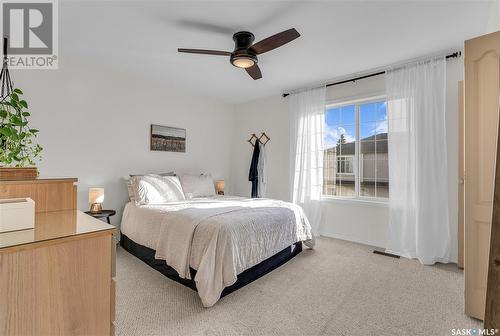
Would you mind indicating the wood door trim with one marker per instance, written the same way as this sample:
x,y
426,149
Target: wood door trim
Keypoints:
x,y
492,309
461,174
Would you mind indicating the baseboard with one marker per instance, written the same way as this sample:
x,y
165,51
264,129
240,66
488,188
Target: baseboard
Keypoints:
x,y
386,254
353,240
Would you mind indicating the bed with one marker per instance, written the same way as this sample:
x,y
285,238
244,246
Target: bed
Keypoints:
x,y
217,244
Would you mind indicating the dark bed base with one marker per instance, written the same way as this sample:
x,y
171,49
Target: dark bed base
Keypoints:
x,y
148,256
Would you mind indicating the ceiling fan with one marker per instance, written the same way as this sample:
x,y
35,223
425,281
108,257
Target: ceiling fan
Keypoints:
x,y
245,53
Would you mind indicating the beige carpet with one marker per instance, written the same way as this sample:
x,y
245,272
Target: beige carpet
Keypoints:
x,y
340,288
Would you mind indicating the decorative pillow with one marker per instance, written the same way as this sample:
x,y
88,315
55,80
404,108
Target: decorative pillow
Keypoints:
x,y
129,182
156,189
130,188
197,185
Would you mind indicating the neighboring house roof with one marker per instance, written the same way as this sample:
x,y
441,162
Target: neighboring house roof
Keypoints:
x,y
367,145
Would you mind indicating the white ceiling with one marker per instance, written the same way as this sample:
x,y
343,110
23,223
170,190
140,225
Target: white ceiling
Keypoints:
x,y
338,38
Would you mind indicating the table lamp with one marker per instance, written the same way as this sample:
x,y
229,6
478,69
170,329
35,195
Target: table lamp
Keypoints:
x,y
96,197
219,187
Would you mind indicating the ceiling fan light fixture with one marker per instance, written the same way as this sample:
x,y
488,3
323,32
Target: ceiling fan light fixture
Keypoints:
x,y
243,62
245,51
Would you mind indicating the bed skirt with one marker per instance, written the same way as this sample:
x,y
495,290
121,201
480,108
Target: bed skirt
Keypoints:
x,y
148,256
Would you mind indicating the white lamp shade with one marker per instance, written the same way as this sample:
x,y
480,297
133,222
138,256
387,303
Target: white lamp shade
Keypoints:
x,y
219,185
96,195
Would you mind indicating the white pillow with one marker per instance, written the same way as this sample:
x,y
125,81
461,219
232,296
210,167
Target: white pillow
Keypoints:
x,y
130,188
155,189
129,182
197,185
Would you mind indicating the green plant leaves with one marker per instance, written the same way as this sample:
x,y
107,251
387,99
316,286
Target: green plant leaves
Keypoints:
x,y
16,138
5,132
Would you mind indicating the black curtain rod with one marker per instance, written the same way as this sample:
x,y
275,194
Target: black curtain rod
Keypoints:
x,y
454,55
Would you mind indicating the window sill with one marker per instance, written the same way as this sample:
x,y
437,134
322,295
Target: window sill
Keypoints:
x,y
354,200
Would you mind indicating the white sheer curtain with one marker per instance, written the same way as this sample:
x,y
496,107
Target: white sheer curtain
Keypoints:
x,y
419,221
307,121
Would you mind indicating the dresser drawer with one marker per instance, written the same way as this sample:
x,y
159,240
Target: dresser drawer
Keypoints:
x,y
28,290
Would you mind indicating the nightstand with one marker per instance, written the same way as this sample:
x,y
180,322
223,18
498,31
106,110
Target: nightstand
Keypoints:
x,y
103,214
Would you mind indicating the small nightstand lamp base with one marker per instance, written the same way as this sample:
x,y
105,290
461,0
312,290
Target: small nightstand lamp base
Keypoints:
x,y
95,208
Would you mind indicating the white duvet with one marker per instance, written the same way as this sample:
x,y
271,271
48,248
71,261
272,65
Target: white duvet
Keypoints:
x,y
218,237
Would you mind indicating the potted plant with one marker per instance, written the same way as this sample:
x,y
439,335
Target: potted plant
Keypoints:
x,y
18,150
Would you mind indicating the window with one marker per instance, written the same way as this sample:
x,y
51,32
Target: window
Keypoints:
x,y
345,164
355,161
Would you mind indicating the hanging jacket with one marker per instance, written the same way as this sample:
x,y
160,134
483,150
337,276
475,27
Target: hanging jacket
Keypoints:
x,y
262,175
253,174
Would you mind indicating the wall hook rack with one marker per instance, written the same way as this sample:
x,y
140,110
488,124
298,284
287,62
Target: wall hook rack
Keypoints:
x,y
263,139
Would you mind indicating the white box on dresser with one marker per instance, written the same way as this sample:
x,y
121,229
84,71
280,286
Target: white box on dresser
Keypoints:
x,y
17,214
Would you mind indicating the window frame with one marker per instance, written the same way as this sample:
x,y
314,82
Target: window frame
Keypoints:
x,y
356,101
346,159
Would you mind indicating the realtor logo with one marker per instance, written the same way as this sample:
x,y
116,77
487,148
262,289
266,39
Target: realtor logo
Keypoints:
x,y
31,29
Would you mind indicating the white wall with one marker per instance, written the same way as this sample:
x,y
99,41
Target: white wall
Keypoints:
x,y
94,125
493,22
360,221
268,115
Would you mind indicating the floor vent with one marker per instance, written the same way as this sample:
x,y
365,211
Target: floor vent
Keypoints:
x,y
386,254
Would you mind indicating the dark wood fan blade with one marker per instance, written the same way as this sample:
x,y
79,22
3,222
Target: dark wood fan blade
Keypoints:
x,y
275,41
254,71
204,52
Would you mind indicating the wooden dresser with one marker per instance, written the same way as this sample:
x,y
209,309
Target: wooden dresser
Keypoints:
x,y
49,194
58,278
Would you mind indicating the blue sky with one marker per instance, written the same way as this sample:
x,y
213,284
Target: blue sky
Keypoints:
x,y
342,120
